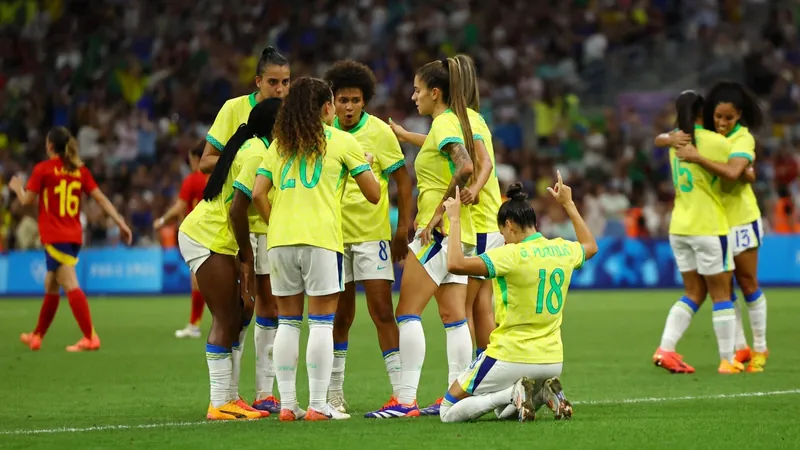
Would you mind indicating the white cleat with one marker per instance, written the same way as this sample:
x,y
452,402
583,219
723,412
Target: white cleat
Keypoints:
x,y
338,403
189,331
522,400
328,412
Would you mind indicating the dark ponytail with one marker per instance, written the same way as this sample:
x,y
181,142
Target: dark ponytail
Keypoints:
x,y
66,147
517,209
259,124
740,97
689,106
270,56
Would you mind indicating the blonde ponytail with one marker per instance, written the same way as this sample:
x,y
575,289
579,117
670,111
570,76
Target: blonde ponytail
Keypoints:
x,y
71,158
461,86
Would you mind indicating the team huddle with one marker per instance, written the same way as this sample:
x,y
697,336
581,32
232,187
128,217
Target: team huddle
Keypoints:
x,y
716,228
289,199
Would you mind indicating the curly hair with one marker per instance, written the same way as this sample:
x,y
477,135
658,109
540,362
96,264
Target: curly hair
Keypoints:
x,y
352,74
298,128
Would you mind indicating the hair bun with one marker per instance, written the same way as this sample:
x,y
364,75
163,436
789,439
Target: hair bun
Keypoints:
x,y
268,51
515,192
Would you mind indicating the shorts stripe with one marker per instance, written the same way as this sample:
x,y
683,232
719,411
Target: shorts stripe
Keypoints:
x,y
481,247
340,268
432,250
723,241
756,231
62,257
479,374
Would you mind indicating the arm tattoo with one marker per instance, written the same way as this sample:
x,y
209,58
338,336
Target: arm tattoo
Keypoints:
x,y
460,157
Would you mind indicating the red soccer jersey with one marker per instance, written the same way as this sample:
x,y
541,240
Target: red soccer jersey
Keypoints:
x,y
60,200
192,189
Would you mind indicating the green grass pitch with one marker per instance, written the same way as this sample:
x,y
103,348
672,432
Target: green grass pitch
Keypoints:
x,y
146,389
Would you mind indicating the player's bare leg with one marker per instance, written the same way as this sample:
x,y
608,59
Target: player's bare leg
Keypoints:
x,y
46,314
345,315
266,326
381,310
483,315
473,286
746,273
192,329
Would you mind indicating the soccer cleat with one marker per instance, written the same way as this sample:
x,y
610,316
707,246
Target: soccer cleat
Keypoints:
x,y
85,345
744,355
271,404
243,404
338,403
32,340
230,411
290,415
189,331
726,367
522,399
328,412
393,410
671,361
758,362
432,410
556,400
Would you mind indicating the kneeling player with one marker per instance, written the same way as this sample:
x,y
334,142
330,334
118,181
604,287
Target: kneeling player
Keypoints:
x,y
524,358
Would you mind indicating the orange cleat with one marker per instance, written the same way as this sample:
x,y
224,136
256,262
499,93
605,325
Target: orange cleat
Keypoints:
x,y
242,404
728,368
230,411
744,355
758,362
85,345
32,340
671,361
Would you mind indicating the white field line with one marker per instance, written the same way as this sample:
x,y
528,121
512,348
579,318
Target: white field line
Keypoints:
x,y
579,402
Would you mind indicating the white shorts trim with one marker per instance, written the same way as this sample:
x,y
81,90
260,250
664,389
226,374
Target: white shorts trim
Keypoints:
x,y
708,255
259,244
368,261
194,253
485,374
303,268
488,241
433,258
747,236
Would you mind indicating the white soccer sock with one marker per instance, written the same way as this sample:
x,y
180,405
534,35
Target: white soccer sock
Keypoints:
x,y
459,349
678,320
757,307
238,347
412,356
337,372
740,340
391,358
266,328
220,367
474,407
285,353
724,319
319,359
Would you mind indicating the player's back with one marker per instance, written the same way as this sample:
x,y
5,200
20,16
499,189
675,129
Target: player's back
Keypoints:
x,y
60,192
232,114
698,209
485,212
739,200
208,223
531,280
306,207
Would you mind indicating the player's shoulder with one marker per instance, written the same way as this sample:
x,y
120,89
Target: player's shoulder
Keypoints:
x,y
339,137
376,125
236,103
710,137
742,135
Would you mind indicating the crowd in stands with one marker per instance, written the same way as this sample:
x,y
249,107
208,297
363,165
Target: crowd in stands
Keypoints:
x,y
140,82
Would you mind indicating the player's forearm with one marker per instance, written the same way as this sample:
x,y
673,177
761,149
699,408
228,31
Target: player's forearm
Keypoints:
x,y
582,231
463,170
725,170
415,138
179,208
240,224
108,207
263,207
209,159
25,197
485,168
404,198
663,140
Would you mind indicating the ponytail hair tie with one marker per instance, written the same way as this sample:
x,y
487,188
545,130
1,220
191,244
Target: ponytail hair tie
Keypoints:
x,y
445,64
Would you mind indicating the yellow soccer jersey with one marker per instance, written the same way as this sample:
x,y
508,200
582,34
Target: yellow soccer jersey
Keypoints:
x,y
741,206
257,224
531,280
698,209
232,114
484,214
435,170
208,222
362,221
307,206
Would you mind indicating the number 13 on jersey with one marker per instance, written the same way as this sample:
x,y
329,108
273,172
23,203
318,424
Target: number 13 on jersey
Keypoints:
x,y
69,198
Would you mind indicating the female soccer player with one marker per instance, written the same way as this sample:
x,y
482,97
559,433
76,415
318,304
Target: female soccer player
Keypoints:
x,y
310,159
210,239
272,79
190,195
701,247
59,183
446,160
524,358
484,194
369,249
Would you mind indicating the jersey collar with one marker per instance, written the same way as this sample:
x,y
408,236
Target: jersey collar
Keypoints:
x,y
359,125
734,130
698,127
252,99
532,237
265,141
